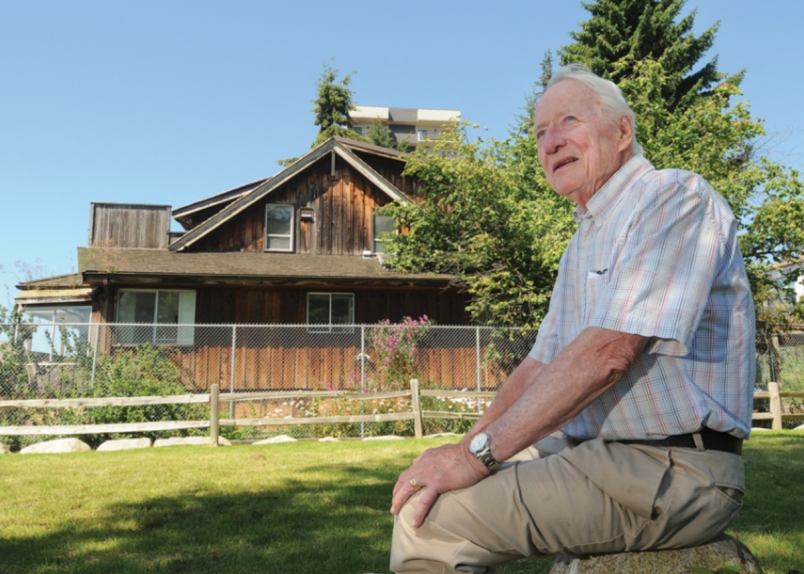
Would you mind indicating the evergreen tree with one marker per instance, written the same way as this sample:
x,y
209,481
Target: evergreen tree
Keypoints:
x,y
622,33
379,134
332,106
488,216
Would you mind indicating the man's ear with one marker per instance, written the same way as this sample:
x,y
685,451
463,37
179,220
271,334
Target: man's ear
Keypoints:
x,y
627,135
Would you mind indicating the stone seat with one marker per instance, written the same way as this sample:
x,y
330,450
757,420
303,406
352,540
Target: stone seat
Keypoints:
x,y
722,551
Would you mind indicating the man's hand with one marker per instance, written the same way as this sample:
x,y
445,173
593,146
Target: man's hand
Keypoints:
x,y
437,470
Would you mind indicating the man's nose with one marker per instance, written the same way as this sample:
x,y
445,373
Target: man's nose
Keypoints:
x,y
551,140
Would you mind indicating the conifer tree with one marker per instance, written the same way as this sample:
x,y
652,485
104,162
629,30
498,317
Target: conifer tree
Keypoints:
x,y
622,33
332,106
488,216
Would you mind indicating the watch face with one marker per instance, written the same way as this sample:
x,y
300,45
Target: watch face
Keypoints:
x,y
478,442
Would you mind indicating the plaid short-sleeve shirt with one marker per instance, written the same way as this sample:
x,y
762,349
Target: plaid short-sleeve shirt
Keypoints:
x,y
656,254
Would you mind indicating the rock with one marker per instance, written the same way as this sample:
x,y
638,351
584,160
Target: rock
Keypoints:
x,y
723,551
189,440
4,448
125,444
384,437
58,445
442,434
329,439
276,440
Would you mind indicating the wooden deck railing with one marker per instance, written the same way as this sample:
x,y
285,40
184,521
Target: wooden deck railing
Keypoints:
x,y
215,398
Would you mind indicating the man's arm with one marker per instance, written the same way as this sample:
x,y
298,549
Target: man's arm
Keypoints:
x,y
511,391
551,395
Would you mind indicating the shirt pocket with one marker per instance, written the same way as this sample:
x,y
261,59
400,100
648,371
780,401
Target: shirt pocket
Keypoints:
x,y
596,281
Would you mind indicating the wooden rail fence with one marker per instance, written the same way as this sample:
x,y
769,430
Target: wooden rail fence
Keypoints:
x,y
776,412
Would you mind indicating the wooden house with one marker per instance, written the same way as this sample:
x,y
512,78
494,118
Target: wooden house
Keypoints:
x,y
300,248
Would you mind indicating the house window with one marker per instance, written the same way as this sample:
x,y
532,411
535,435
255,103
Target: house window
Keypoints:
x,y
278,227
326,312
167,317
62,327
380,224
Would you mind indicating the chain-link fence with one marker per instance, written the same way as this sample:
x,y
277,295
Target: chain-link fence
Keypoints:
x,y
50,360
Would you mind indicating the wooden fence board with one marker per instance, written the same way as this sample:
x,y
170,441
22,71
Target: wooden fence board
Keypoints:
x,y
773,394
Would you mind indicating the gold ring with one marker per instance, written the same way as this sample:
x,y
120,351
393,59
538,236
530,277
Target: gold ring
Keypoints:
x,y
415,486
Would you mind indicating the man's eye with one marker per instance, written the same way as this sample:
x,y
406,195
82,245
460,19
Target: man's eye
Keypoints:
x,y
570,119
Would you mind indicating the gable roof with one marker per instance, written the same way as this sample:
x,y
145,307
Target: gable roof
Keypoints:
x,y
341,147
182,214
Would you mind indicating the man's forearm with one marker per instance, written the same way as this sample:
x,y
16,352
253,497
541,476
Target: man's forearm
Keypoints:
x,y
512,390
584,370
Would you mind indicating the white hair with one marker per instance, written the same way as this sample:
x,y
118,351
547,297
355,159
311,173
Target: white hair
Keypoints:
x,y
609,95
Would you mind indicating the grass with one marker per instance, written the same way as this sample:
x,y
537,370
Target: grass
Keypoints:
x,y
303,507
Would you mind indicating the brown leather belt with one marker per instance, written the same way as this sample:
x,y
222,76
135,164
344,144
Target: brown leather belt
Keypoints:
x,y
712,440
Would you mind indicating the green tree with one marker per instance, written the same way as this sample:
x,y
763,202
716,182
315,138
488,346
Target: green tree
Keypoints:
x,y
487,215
490,221
379,134
332,106
622,33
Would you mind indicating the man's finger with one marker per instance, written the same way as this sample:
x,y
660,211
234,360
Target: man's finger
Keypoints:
x,y
426,500
401,495
398,486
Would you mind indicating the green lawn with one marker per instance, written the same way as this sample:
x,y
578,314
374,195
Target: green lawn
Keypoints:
x,y
302,508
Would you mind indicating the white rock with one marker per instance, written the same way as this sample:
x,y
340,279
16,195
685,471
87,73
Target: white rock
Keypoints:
x,y
442,434
58,445
4,448
189,440
759,429
329,439
276,440
799,427
384,437
125,444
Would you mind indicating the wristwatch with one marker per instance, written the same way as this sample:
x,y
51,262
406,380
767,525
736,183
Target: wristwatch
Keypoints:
x,y
481,448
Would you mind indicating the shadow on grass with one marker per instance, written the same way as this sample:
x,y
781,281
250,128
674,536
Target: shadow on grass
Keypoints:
x,y
330,519
334,525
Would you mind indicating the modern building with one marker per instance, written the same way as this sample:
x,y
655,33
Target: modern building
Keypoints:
x,y
416,126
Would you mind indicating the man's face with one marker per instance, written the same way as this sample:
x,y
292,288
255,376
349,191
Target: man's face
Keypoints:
x,y
580,149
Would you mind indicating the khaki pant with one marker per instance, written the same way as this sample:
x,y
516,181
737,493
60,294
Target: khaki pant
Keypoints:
x,y
596,497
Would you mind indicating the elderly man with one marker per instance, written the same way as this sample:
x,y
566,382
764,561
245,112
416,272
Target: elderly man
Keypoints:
x,y
644,361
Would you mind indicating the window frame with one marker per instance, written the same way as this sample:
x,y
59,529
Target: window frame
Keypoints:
x,y
331,327
291,236
375,241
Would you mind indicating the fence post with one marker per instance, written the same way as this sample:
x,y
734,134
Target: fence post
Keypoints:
x,y
94,355
214,414
477,363
775,406
362,376
232,380
417,411
774,353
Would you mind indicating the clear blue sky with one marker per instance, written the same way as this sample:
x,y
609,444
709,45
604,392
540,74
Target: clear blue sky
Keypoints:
x,y
172,101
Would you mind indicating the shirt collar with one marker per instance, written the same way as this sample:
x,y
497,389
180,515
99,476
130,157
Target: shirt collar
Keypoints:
x,y
608,196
